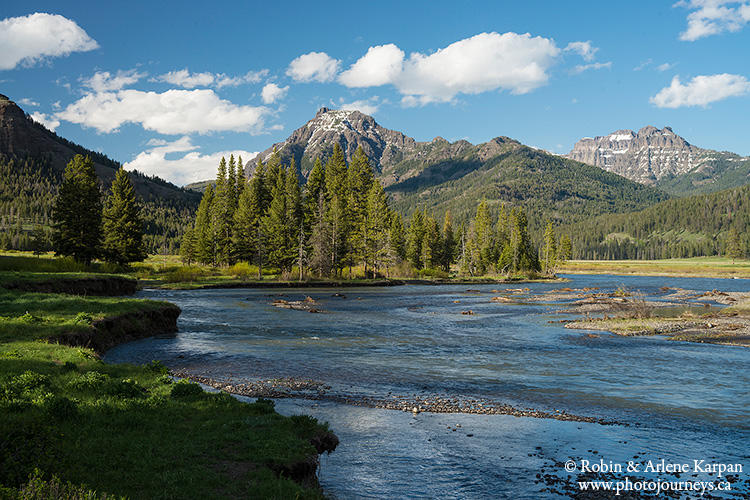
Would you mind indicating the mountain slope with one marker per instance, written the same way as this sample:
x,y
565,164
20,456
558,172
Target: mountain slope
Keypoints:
x,y
439,175
680,227
32,160
663,159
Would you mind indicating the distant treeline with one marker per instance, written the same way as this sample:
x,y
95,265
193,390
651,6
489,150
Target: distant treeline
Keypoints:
x,y
701,225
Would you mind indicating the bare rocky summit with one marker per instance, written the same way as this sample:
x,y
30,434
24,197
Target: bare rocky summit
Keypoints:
x,y
395,157
648,156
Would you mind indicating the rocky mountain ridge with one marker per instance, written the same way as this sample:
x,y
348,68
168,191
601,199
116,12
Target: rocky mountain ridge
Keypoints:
x,y
395,157
652,156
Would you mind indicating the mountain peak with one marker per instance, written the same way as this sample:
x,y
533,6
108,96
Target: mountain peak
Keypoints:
x,y
646,156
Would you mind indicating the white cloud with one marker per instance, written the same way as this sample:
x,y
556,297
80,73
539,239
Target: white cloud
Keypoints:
x,y
313,67
103,81
362,106
701,91
46,120
381,65
585,67
644,64
223,80
29,39
584,49
171,112
184,169
183,78
272,93
666,66
484,62
28,102
712,17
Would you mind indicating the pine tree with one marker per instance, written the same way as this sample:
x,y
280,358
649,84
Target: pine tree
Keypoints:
x,y
550,248
320,239
432,246
416,239
123,227
376,249
359,180
203,228
222,214
397,239
449,243
733,247
566,249
337,209
189,246
77,214
38,240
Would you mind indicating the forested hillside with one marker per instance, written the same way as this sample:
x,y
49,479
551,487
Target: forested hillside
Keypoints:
x,y
682,227
32,159
546,186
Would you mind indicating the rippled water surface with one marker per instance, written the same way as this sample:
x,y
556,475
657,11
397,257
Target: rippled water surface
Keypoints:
x,y
677,401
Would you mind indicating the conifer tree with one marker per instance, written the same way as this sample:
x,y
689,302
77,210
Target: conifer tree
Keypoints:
x,y
359,179
397,238
320,239
222,214
77,214
281,245
415,240
203,228
189,246
376,248
38,240
241,179
449,243
566,249
123,227
550,248
432,245
337,209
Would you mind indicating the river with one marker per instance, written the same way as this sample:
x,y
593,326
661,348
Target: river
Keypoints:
x,y
677,406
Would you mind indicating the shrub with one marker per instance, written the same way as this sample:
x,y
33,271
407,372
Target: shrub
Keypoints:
x,y
184,389
83,318
183,273
29,381
61,407
243,270
90,380
156,366
30,318
126,388
38,489
69,366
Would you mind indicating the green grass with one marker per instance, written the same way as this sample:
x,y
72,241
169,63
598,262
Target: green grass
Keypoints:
x,y
36,316
131,431
124,430
716,267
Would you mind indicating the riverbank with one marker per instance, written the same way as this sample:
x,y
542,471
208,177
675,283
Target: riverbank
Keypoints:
x,y
130,430
681,315
698,267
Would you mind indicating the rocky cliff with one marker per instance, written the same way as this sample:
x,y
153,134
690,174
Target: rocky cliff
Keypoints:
x,y
394,156
654,156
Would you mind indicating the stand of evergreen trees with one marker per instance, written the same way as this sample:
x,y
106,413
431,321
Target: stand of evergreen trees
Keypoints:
x,y
339,220
86,227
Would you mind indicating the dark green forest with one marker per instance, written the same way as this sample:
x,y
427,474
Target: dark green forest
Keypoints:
x,y
694,226
29,187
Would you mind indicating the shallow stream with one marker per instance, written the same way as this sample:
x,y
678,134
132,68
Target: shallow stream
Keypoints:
x,y
679,402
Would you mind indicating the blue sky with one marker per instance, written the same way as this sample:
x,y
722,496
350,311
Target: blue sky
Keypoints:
x,y
170,87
